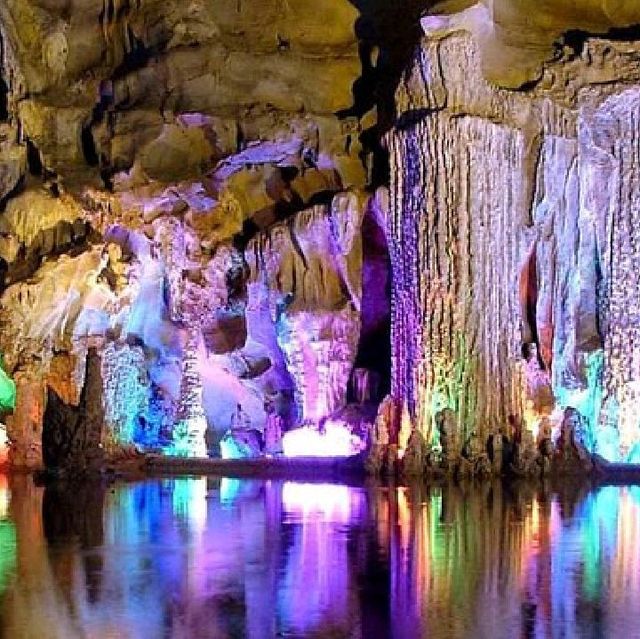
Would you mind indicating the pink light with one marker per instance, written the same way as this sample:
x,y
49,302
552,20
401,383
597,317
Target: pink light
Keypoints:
x,y
4,445
5,496
336,440
325,502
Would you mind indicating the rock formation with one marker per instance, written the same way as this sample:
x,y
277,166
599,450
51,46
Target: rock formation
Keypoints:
x,y
182,190
297,210
512,223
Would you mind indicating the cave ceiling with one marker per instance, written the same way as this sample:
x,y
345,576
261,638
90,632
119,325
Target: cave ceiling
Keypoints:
x,y
519,36
97,84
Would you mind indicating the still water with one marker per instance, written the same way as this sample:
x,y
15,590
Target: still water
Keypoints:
x,y
200,557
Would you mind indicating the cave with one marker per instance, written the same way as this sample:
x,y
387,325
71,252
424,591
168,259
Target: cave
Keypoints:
x,y
315,316
409,251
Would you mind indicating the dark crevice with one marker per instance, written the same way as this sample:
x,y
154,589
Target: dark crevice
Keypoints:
x,y
411,117
20,184
576,39
286,203
71,238
530,85
321,197
34,160
374,348
283,211
529,299
4,87
4,268
136,58
392,31
89,146
107,179
4,100
241,142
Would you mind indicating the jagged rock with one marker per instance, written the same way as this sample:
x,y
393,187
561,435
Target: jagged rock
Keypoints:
x,y
495,451
13,161
476,455
417,456
449,439
156,305
380,438
273,434
106,87
304,298
181,188
571,454
241,444
524,462
24,426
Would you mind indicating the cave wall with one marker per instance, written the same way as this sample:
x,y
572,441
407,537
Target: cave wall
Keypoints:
x,y
190,189
512,218
179,346
182,189
305,292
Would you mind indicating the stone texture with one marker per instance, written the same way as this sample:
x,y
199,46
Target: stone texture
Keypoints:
x,y
304,301
517,37
102,87
189,188
511,219
180,341
72,435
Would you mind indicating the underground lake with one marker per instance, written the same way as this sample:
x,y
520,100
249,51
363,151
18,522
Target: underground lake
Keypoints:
x,y
200,557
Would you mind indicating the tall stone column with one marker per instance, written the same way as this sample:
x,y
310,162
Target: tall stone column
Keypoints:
x,y
191,426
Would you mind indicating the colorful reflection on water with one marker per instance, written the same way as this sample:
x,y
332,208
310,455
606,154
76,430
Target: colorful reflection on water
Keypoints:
x,y
232,558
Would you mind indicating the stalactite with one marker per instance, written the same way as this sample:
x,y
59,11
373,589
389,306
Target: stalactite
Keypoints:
x,y
305,289
613,130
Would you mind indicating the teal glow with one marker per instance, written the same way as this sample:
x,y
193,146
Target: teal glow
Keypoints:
x,y
7,389
229,490
634,454
593,403
608,444
179,447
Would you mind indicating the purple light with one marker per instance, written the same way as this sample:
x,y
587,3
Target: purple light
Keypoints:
x,y
325,502
336,440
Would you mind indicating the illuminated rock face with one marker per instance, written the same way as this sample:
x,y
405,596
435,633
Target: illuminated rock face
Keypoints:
x,y
513,220
179,340
143,149
517,37
181,189
612,193
305,292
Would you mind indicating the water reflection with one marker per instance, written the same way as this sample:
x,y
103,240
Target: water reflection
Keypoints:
x,y
229,558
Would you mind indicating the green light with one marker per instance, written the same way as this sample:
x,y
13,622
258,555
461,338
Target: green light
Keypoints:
x,y
7,389
7,552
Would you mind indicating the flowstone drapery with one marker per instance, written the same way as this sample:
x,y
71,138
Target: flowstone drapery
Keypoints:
x,y
514,253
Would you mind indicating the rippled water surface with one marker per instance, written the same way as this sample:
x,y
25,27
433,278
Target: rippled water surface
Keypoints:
x,y
227,558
